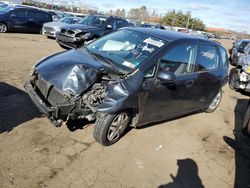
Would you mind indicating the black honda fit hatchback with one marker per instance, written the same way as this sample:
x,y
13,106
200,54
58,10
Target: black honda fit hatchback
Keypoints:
x,y
132,77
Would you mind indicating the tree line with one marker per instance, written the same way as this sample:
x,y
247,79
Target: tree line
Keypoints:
x,y
171,18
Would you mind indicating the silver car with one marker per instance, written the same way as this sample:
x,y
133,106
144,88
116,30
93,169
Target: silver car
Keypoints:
x,y
51,28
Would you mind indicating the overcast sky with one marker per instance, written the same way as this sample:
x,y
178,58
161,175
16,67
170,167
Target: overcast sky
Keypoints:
x,y
230,14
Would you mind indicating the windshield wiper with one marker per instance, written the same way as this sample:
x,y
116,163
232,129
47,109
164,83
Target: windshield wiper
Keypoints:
x,y
98,55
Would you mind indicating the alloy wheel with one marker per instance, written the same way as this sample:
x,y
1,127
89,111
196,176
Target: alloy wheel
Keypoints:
x,y
3,28
117,126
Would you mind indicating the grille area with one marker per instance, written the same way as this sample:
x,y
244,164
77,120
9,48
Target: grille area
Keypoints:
x,y
48,28
49,92
67,32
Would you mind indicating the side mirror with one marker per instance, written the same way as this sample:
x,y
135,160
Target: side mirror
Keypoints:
x,y
166,76
109,27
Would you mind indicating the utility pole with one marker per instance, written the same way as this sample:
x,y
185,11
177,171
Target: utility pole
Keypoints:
x,y
52,4
72,5
189,15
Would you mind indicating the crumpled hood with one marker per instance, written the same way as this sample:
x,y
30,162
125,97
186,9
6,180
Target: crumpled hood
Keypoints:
x,y
81,27
55,24
72,71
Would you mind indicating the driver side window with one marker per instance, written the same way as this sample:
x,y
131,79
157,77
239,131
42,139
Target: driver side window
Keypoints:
x,y
18,13
180,59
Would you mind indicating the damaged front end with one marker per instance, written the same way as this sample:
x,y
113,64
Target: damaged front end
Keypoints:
x,y
68,90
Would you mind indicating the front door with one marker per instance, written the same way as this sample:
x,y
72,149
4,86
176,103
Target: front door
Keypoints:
x,y
176,98
18,20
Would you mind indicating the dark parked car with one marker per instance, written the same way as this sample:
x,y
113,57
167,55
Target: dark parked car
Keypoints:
x,y
132,77
239,77
153,26
89,28
23,19
238,51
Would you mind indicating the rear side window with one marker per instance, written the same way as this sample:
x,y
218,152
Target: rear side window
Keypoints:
x,y
223,57
207,58
35,14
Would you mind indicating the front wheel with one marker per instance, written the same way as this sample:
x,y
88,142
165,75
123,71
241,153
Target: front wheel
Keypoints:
x,y
3,28
110,128
215,103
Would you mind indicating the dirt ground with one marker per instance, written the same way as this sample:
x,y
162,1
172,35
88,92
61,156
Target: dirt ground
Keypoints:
x,y
184,152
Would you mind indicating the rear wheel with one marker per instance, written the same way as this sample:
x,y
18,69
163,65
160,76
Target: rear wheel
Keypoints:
x,y
233,79
110,128
3,28
215,103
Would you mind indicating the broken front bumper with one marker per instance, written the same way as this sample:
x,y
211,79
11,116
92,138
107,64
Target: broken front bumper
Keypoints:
x,y
56,114
69,42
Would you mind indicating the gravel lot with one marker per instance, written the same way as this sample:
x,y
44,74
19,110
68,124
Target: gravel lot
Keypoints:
x,y
184,152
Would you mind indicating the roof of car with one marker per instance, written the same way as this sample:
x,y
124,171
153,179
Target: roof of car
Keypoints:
x,y
167,35
105,16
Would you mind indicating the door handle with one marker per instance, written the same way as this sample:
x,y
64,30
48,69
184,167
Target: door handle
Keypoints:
x,y
31,20
189,83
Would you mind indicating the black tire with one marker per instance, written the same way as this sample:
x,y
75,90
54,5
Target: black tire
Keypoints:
x,y
104,125
215,103
246,123
3,28
233,79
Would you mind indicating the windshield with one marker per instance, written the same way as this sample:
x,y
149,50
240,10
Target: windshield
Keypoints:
x,y
94,20
5,10
126,49
68,20
3,6
243,45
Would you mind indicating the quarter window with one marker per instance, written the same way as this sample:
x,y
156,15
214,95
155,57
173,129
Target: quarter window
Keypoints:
x,y
179,60
46,16
223,57
207,58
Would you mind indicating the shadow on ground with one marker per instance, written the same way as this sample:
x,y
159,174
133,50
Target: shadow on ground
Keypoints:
x,y
15,107
187,176
144,126
241,145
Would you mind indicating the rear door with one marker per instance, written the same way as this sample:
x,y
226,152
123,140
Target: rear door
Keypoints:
x,y
209,75
35,20
18,20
